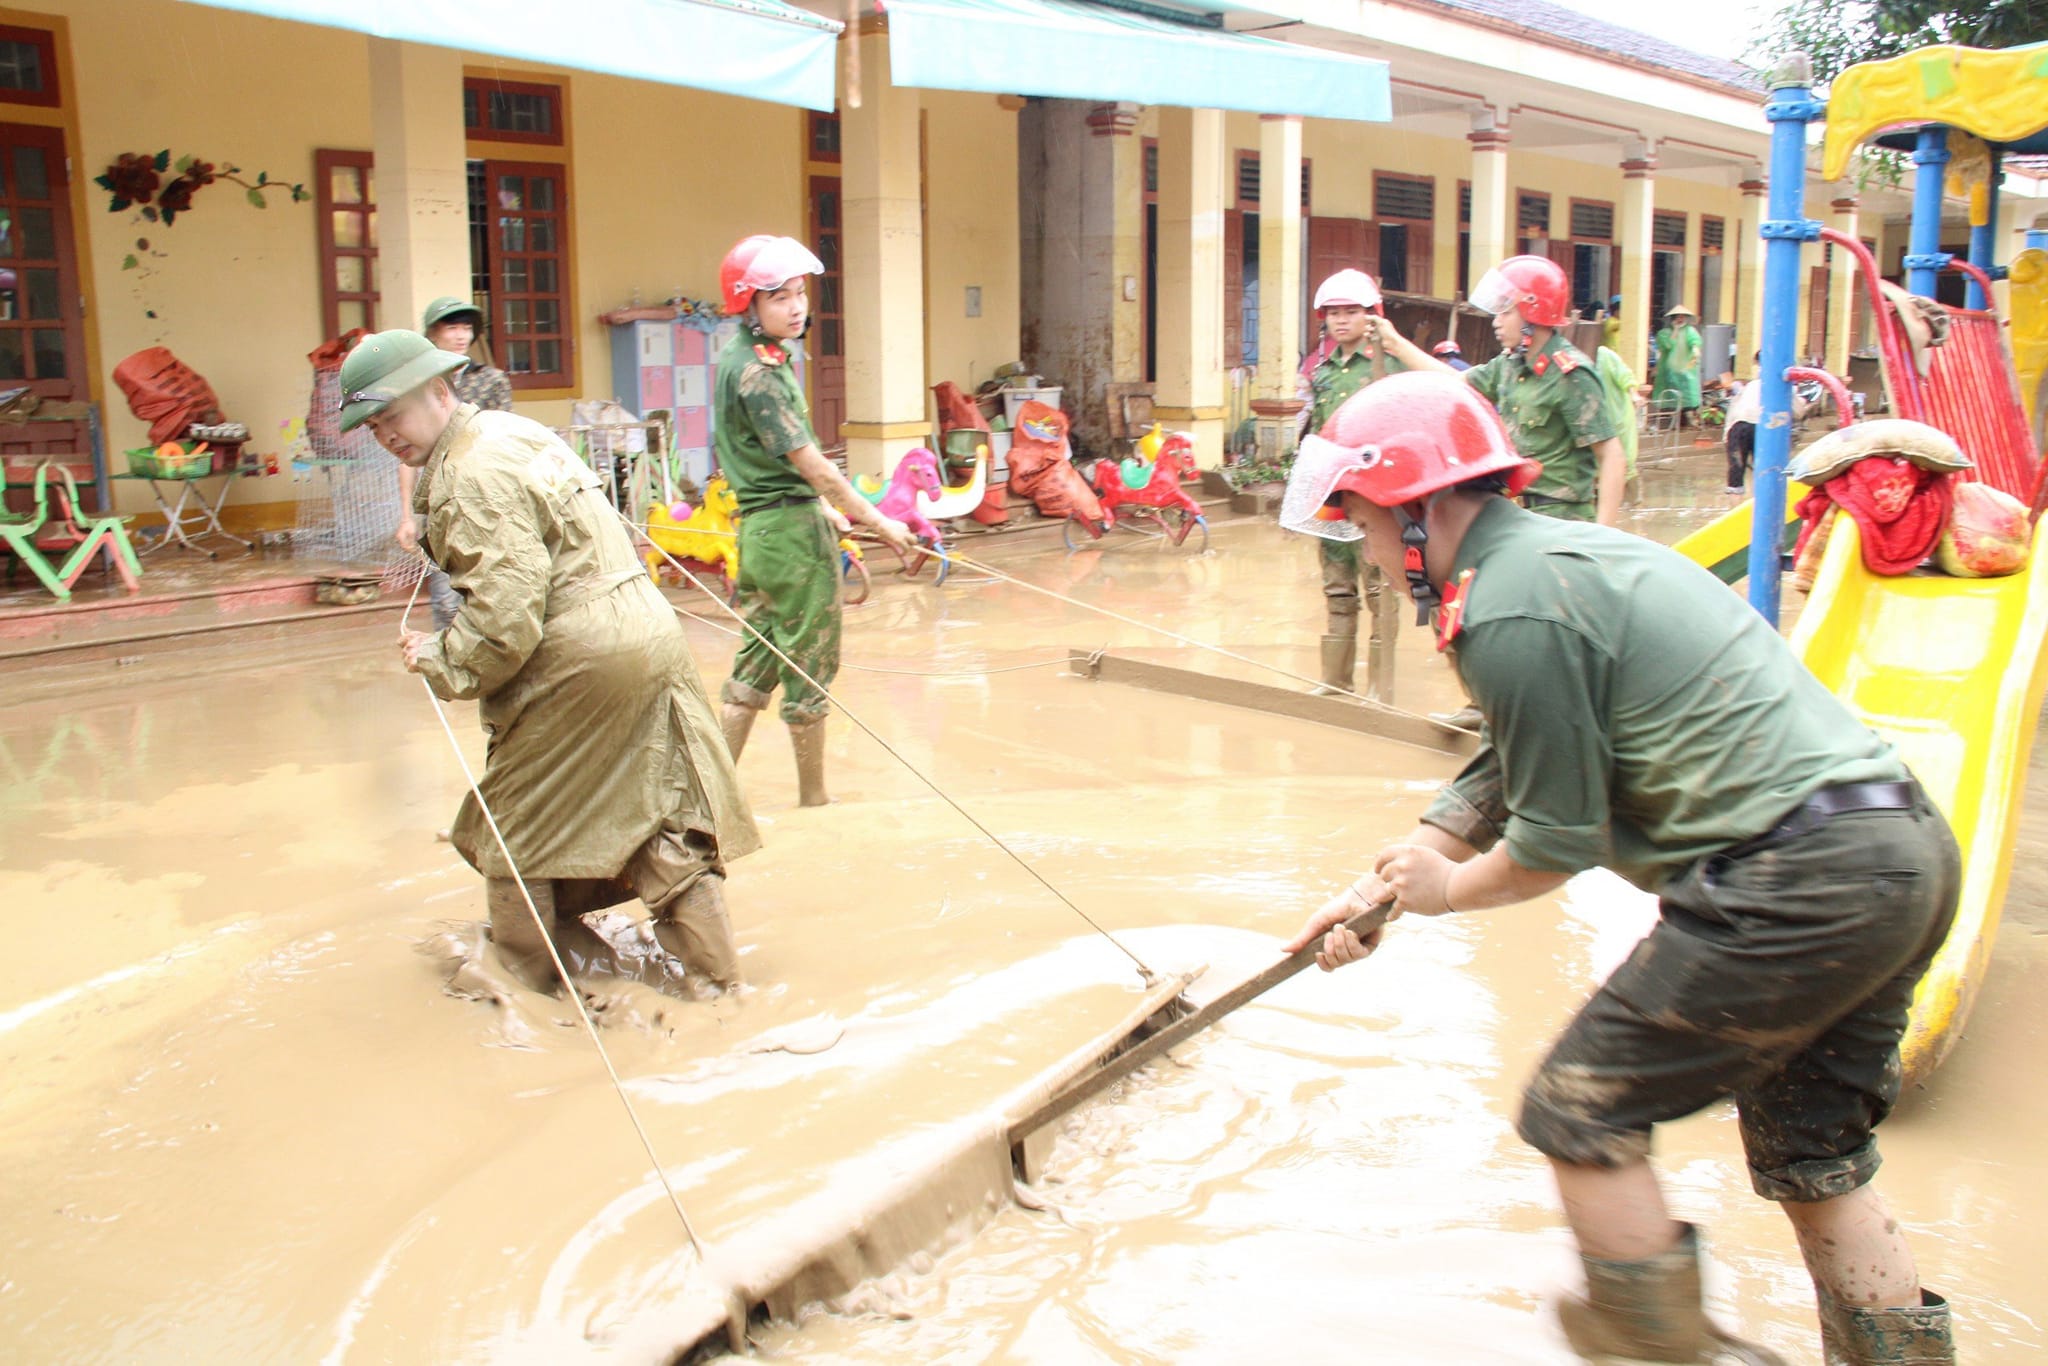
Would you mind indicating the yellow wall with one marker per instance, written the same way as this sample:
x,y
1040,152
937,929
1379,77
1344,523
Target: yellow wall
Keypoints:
x,y
657,197
971,237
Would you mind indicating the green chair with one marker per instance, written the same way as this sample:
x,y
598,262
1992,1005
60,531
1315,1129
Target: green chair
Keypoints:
x,y
27,535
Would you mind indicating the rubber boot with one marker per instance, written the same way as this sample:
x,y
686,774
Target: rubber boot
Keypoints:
x,y
1340,666
808,740
515,935
1855,1336
738,723
1651,1311
1466,717
1379,649
694,928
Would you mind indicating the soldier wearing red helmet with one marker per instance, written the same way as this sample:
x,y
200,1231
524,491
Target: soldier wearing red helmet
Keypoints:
x,y
1547,390
789,551
1639,717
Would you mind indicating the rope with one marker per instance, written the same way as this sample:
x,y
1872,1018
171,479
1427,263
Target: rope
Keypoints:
x,y
993,572
878,669
575,996
1144,971
954,557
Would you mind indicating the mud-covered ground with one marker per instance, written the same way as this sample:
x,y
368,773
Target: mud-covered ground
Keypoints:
x,y
243,1121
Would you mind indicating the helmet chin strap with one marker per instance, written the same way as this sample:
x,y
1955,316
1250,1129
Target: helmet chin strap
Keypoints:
x,y
1414,544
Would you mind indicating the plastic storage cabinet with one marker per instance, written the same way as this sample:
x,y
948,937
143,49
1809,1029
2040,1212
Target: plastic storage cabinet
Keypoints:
x,y
669,365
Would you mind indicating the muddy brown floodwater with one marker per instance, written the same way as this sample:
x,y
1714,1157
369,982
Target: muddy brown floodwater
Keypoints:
x,y
242,1122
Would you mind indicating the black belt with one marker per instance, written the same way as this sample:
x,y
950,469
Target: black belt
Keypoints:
x,y
1531,500
794,500
1824,805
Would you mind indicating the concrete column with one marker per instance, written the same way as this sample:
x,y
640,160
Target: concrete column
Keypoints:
x,y
1842,285
1748,284
423,164
1113,243
1274,403
1638,214
1492,211
1192,176
882,245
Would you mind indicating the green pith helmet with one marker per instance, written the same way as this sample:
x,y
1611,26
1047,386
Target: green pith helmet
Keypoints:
x,y
448,308
385,366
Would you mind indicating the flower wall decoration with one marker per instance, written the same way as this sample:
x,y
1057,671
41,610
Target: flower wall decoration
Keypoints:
x,y
136,181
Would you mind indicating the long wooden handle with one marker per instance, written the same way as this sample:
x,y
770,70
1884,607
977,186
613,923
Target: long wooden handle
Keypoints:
x,y
1129,1061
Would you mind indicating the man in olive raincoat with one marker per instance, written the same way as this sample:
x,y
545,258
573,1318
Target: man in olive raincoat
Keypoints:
x,y
605,769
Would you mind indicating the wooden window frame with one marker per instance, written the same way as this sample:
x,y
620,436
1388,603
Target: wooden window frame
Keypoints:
x,y
1380,178
813,118
69,321
1571,211
1549,212
483,132
325,161
51,96
1684,229
1237,182
501,336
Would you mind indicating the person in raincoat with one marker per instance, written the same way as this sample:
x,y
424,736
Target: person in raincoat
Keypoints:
x,y
604,768
789,549
451,324
1678,364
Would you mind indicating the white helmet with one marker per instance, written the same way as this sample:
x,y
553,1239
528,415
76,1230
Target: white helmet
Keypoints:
x,y
1353,287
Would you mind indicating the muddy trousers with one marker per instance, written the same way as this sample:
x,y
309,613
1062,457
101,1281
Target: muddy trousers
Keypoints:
x,y
789,589
676,874
1349,577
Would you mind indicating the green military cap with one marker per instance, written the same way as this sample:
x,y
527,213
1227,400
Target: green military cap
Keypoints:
x,y
448,308
386,366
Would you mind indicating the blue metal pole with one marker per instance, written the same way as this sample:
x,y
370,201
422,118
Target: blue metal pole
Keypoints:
x,y
1790,109
1924,256
1984,236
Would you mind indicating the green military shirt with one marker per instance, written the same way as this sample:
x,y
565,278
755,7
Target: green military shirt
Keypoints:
x,y
1639,716
761,417
1554,406
1337,377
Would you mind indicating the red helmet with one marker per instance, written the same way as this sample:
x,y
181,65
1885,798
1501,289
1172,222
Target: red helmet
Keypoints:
x,y
1534,284
1418,431
1444,348
763,262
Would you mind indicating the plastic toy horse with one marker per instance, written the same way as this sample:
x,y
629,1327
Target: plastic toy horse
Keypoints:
x,y
958,500
916,480
1157,485
1149,490
707,535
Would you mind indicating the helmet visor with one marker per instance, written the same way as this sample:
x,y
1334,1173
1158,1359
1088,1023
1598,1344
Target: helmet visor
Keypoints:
x,y
1495,293
1306,505
778,262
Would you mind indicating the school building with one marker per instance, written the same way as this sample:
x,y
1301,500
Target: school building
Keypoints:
x,y
1113,192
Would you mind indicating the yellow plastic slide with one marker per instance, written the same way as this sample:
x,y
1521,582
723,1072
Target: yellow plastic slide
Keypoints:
x,y
1722,545
1951,671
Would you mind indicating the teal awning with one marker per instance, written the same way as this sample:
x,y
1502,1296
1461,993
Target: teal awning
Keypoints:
x,y
1074,50
762,49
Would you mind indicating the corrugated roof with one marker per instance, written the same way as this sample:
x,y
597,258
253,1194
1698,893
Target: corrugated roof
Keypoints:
x,y
1558,22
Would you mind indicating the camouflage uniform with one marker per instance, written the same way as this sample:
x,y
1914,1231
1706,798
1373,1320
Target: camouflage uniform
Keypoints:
x,y
789,553
1334,380
1555,408
488,387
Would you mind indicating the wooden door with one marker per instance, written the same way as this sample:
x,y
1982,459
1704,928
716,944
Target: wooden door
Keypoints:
x,y
826,341
42,323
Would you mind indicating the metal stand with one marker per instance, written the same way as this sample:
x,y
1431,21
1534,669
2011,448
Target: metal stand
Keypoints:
x,y
191,509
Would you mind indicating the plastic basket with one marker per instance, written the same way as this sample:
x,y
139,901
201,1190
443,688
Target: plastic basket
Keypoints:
x,y
148,464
